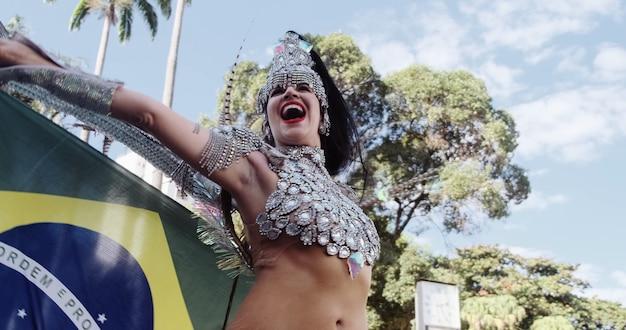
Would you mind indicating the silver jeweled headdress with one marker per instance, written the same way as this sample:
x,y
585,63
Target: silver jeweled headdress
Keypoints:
x,y
291,66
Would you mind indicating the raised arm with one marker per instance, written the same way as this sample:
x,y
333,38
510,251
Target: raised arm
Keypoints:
x,y
31,65
182,136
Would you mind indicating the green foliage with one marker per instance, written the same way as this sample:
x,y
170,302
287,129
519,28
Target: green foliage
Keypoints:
x,y
247,80
459,180
361,86
492,313
465,148
207,122
499,290
552,323
600,314
120,12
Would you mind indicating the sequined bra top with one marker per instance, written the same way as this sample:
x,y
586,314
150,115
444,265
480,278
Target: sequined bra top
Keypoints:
x,y
309,204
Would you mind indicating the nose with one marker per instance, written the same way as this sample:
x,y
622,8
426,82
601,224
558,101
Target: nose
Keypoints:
x,y
290,92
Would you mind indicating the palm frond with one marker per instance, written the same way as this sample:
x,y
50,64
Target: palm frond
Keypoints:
x,y
166,7
149,15
124,24
78,15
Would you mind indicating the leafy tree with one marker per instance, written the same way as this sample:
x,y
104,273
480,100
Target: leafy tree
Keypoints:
x,y
499,290
601,315
450,149
541,286
552,323
492,313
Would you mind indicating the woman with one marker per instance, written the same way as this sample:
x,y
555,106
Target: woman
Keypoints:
x,y
311,245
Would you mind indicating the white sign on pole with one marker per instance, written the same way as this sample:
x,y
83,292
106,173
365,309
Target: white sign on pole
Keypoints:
x,y
437,306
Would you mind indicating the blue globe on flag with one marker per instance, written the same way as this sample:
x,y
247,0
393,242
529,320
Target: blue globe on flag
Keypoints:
x,y
61,276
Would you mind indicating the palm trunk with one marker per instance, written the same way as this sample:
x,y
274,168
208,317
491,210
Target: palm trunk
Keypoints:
x,y
172,57
170,72
104,40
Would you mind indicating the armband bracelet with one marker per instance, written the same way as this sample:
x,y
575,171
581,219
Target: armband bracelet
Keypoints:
x,y
226,145
75,87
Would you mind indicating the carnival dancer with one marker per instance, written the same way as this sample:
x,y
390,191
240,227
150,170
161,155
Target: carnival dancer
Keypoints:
x,y
311,247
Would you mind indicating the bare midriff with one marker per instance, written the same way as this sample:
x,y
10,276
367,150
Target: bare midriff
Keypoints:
x,y
301,287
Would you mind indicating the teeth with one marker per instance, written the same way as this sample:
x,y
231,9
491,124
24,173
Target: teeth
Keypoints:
x,y
292,106
286,114
292,111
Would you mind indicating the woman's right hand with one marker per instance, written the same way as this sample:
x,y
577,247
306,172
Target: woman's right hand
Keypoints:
x,y
16,53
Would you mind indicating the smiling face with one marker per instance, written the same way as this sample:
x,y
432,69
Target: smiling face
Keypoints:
x,y
294,116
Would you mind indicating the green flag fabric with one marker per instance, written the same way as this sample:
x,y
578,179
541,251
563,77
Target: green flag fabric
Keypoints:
x,y
86,244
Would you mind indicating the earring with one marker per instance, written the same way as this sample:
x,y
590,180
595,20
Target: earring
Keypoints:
x,y
325,124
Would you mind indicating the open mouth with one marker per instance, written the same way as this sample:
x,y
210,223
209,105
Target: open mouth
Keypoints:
x,y
292,112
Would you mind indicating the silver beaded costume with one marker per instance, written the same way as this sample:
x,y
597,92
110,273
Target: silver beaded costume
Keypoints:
x,y
307,202
226,145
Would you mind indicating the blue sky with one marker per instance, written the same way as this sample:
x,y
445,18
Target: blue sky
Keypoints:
x,y
558,66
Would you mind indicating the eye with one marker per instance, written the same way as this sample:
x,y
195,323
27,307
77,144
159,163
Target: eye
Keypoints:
x,y
304,87
277,91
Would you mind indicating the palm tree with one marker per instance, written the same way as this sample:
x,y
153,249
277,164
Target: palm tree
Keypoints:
x,y
170,69
119,13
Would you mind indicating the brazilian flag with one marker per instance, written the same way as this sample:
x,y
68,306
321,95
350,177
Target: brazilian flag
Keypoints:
x,y
86,244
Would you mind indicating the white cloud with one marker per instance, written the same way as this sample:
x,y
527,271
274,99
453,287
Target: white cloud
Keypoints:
x,y
537,200
619,277
389,56
612,294
510,226
500,79
571,125
454,37
527,252
529,25
615,291
538,172
540,55
571,60
426,34
442,44
588,272
610,63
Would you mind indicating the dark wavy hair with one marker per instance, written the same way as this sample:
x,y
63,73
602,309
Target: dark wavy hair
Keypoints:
x,y
340,146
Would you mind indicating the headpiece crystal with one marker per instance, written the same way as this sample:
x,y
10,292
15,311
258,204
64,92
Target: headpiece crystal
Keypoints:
x,y
292,65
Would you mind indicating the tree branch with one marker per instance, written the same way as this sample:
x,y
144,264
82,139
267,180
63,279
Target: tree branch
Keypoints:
x,y
401,225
